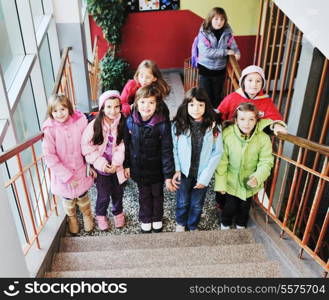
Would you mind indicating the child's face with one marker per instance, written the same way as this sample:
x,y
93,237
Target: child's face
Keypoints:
x,y
146,107
253,84
146,77
246,121
112,108
217,22
196,109
60,113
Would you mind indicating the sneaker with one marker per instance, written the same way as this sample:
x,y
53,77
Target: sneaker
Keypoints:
x,y
180,228
146,227
102,222
240,227
157,226
119,220
223,227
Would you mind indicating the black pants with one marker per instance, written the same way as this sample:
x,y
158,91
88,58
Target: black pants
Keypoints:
x,y
235,207
150,202
213,85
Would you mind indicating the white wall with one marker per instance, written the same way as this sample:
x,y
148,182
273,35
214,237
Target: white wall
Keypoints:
x,y
312,18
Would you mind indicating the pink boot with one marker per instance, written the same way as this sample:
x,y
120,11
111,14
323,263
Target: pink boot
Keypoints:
x,y
119,220
102,222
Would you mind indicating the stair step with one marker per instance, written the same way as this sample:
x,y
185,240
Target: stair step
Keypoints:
x,y
156,240
136,258
267,269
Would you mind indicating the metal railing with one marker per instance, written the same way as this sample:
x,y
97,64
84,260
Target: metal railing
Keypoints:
x,y
233,71
93,72
191,75
64,81
29,187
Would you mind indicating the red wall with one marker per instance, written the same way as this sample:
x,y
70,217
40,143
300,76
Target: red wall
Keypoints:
x,y
165,37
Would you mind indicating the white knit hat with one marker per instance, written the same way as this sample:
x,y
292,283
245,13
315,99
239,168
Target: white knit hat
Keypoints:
x,y
252,69
107,95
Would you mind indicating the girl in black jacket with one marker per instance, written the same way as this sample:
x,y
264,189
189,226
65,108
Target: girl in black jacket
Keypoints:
x,y
149,155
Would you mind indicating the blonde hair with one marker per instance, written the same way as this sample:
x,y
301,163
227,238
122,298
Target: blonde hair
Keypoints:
x,y
149,64
59,99
245,106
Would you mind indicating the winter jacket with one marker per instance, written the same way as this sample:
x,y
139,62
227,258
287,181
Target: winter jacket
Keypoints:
x,y
128,95
149,149
263,103
213,53
94,153
61,148
211,152
243,158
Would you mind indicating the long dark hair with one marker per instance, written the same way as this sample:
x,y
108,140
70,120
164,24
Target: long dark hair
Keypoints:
x,y
98,137
183,120
215,11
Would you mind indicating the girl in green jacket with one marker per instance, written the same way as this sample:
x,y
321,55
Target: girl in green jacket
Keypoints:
x,y
245,165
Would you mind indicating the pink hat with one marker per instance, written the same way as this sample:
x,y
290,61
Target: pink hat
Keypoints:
x,y
107,95
252,69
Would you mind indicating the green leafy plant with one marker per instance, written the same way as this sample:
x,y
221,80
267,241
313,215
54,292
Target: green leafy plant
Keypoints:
x,y
114,72
110,15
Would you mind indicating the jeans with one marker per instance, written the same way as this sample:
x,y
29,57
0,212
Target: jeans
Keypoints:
x,y
108,187
234,206
189,203
214,87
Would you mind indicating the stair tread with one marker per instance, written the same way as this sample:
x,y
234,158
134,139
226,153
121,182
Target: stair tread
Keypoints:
x,y
134,258
163,240
268,269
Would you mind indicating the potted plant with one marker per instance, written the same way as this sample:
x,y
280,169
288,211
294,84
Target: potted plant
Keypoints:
x,y
110,15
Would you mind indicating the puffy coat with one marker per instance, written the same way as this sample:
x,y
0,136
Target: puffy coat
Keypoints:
x,y
213,53
211,152
262,102
149,149
243,158
61,148
94,153
128,95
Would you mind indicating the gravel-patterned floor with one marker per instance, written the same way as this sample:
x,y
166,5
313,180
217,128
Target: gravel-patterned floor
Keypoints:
x,y
209,220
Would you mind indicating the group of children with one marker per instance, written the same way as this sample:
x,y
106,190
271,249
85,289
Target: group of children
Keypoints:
x,y
132,137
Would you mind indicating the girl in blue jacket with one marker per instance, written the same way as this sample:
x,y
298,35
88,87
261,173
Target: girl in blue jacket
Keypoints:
x,y
197,150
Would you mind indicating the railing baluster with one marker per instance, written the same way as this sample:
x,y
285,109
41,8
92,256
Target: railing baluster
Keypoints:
x,y
27,197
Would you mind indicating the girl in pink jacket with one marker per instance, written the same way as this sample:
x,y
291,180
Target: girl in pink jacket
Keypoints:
x,y
61,148
103,147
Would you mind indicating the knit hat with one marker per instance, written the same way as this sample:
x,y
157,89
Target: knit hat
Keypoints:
x,y
107,95
252,69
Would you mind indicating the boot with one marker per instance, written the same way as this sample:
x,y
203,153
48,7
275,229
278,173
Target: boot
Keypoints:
x,y
71,212
85,208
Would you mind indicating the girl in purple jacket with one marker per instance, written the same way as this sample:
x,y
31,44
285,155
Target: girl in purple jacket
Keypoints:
x,y
61,148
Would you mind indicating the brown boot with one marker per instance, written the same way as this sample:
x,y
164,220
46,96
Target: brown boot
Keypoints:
x,y
71,211
85,208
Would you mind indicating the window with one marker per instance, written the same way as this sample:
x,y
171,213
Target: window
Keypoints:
x,y
25,115
46,66
12,49
37,12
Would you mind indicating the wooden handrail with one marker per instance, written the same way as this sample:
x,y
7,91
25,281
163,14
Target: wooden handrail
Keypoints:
x,y
20,147
61,70
304,143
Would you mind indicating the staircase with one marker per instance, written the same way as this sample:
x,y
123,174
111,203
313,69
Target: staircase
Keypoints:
x,y
216,253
